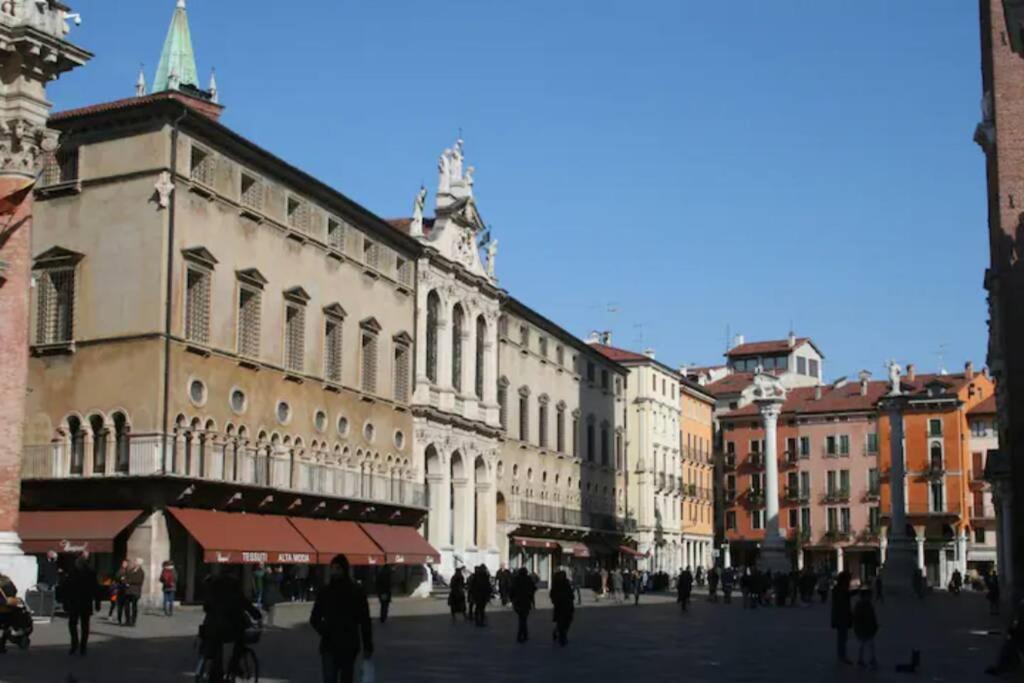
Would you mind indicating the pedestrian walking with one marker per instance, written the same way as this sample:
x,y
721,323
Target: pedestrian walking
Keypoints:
x,y
134,578
865,626
341,616
638,585
992,591
227,613
745,587
504,578
578,579
561,594
699,576
713,584
49,572
523,589
259,577
823,583
956,582
272,593
457,593
842,616
118,589
169,584
604,582
76,594
300,572
728,583
617,587
684,586
879,591
480,594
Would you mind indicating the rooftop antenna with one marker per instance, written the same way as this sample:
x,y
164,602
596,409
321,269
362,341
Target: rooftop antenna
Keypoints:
x,y
728,336
941,353
639,327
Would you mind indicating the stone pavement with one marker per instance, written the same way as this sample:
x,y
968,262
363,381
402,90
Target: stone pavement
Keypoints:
x,y
655,642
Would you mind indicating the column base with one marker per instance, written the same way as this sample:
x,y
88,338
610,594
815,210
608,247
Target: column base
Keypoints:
x,y
900,567
22,569
773,557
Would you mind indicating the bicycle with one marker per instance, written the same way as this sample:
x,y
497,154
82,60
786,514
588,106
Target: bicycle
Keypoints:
x,y
246,669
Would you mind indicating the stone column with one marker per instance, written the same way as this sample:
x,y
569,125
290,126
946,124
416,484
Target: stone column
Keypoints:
x,y
444,358
469,362
800,558
461,511
962,553
437,523
919,538
485,516
773,548
726,555
900,565
490,401
840,564
883,545
421,335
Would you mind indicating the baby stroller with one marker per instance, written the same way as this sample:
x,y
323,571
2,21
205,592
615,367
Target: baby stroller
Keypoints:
x,y
15,619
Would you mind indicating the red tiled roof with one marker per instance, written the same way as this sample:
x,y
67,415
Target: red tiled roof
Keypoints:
x,y
763,347
618,355
848,397
730,384
402,224
209,109
986,407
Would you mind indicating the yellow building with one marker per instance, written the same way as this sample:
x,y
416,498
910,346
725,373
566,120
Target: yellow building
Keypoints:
x,y
695,440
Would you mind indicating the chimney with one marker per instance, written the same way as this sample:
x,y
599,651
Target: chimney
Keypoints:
x,y
969,370
737,340
649,353
792,339
910,372
594,338
606,337
864,377
817,392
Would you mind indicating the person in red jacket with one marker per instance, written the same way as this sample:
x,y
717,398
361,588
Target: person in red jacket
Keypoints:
x,y
169,583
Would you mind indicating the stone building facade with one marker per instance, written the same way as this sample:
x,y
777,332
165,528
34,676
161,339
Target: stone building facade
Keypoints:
x,y
696,443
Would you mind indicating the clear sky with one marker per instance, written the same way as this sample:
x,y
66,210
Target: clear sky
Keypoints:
x,y
668,169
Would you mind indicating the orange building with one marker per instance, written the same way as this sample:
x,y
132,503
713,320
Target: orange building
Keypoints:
x,y
937,446
696,437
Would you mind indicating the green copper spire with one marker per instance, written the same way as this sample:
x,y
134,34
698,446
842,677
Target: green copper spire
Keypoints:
x,y
177,61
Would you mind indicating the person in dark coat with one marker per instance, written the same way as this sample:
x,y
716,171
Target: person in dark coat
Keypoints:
x,y
562,600
879,590
118,591
684,586
728,582
383,586
480,594
504,578
956,582
781,588
713,584
341,615
49,572
865,626
523,589
272,592
842,616
226,615
135,577
77,593
457,593
992,592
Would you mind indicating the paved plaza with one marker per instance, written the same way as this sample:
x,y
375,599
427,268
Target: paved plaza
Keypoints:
x,y
654,642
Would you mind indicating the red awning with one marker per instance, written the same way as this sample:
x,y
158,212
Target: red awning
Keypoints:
x,y
575,549
402,544
626,550
237,538
545,543
73,531
333,537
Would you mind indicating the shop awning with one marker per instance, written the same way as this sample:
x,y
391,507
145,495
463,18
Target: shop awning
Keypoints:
x,y
575,549
402,544
598,547
237,538
73,531
526,542
626,550
331,538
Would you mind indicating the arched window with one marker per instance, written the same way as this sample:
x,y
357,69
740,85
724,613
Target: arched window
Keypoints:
x,y
481,338
77,436
457,324
99,444
433,308
936,457
524,414
542,421
121,451
618,451
576,434
503,402
604,444
590,440
560,427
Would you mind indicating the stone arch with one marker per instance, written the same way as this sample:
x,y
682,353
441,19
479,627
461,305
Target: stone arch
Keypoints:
x,y
96,427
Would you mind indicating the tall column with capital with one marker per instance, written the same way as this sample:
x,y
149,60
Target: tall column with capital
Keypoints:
x,y
773,548
34,53
422,291
900,561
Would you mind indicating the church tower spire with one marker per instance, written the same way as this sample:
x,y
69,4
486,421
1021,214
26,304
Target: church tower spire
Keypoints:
x,y
177,67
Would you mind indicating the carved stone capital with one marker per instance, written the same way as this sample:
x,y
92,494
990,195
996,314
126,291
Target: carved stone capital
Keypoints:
x,y
24,146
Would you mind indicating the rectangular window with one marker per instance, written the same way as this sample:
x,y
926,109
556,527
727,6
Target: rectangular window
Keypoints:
x,y
542,425
791,447
542,346
801,365
805,446
575,437
201,165
830,446
560,355
591,372
252,191
248,322
368,349
524,418
503,406
833,520
604,379
605,449
332,349
844,444
654,383
60,167
874,519
295,337
805,521
730,520
830,479
756,519
335,234
297,212
730,486
401,372
812,367
934,427
403,271
874,482
55,306
872,444
805,484
938,496
793,518
618,452
979,535
197,305
844,520
560,430
371,254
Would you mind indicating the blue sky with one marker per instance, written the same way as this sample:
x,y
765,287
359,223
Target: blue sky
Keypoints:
x,y
695,166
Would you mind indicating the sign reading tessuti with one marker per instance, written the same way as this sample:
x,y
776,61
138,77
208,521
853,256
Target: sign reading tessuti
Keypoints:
x,y
256,557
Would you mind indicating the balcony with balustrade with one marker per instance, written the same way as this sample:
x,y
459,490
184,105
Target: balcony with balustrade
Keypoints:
x,y
142,457
797,495
838,494
528,512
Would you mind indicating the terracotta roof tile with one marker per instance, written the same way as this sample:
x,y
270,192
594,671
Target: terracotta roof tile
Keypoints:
x,y
731,384
986,407
209,109
762,347
617,354
402,224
